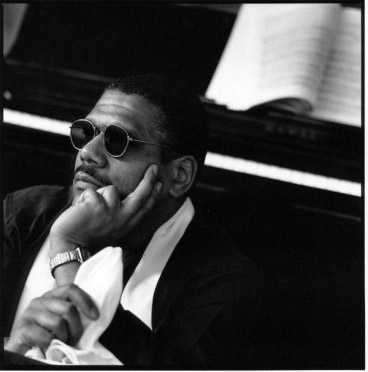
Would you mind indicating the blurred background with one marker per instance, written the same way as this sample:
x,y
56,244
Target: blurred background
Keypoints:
x,y
287,187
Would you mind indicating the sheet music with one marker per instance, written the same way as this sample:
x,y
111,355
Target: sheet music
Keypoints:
x,y
274,51
340,94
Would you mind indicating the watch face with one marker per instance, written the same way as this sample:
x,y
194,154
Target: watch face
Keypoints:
x,y
86,255
78,254
82,253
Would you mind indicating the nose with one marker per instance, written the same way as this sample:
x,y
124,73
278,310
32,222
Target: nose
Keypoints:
x,y
93,152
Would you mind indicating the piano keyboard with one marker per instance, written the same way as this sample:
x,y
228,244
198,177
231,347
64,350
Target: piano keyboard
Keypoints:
x,y
212,159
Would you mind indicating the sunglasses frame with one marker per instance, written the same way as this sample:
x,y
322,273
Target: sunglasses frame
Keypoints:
x,y
97,131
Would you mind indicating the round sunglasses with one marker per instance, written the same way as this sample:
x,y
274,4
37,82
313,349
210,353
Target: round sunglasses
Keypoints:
x,y
116,139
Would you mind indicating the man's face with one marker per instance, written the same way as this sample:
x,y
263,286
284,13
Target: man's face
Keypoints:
x,y
136,115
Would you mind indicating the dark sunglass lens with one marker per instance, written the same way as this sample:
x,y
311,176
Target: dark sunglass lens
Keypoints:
x,y
81,132
115,140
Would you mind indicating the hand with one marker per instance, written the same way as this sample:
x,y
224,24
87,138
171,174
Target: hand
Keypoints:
x,y
53,315
99,218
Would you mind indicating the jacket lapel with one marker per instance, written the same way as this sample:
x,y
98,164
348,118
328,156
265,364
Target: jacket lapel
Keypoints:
x,y
176,273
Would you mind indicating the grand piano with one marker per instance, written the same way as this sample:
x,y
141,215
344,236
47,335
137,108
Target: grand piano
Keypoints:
x,y
287,188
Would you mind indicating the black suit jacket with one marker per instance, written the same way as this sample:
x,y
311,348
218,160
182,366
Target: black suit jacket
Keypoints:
x,y
204,305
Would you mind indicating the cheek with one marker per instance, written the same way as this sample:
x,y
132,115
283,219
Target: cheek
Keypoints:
x,y
126,179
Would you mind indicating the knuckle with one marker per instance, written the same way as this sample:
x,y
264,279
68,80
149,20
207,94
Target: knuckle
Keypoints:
x,y
48,294
53,321
74,290
35,302
65,290
34,305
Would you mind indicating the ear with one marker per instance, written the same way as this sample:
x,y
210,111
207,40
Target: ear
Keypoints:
x,y
183,172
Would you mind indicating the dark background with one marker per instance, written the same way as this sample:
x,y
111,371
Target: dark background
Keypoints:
x,y
308,242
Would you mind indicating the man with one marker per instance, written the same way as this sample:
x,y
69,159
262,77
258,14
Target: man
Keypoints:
x,y
141,149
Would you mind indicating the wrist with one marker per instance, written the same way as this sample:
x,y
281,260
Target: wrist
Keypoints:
x,y
59,245
65,274
78,255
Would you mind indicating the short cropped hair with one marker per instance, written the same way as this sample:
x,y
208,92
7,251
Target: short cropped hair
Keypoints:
x,y
182,124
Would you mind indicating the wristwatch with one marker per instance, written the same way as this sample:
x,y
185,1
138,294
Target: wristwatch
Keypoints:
x,y
78,254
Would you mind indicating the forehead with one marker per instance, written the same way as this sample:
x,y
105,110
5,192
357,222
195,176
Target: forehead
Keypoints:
x,y
131,111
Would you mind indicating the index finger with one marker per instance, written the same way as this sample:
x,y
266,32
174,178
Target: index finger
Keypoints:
x,y
78,297
110,194
134,201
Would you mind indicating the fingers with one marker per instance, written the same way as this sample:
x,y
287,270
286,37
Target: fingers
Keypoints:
x,y
74,324
133,203
37,335
69,314
54,315
101,219
78,297
111,195
92,196
148,205
28,335
52,322
107,196
143,190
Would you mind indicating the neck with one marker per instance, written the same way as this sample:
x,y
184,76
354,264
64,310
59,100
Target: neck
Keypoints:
x,y
140,236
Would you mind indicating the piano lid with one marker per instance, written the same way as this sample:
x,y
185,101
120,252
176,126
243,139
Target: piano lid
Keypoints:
x,y
117,39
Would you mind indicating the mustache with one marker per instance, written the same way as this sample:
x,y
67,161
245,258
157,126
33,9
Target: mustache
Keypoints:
x,y
92,172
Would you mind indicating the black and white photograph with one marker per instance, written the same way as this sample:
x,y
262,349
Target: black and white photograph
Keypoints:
x,y
224,227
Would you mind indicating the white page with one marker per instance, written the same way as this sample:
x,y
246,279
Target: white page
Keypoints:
x,y
340,94
237,73
274,51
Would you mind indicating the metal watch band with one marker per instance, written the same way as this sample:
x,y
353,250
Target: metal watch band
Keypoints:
x,y
78,254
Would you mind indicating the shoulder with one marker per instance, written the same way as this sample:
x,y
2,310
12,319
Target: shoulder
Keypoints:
x,y
213,255
36,192
34,200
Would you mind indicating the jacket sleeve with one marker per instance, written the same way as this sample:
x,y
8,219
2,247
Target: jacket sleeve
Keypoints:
x,y
26,213
11,235
11,265
209,326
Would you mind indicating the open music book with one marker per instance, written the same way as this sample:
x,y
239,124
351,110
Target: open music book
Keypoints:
x,y
304,58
